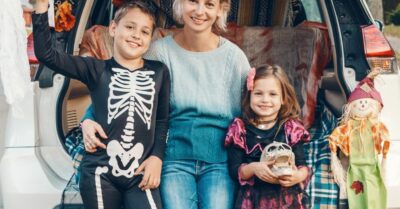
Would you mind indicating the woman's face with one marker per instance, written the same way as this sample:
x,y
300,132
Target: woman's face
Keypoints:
x,y
200,15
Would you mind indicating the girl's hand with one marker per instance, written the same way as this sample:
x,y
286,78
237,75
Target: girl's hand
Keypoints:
x,y
263,172
89,130
41,6
298,176
151,169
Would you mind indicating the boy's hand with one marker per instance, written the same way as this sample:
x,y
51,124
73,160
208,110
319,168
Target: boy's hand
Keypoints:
x,y
41,6
151,169
89,130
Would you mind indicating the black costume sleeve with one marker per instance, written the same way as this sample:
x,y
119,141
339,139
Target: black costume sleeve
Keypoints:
x,y
161,129
236,159
298,150
85,69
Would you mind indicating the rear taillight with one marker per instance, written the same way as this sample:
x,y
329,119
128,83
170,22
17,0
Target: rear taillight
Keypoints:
x,y
377,50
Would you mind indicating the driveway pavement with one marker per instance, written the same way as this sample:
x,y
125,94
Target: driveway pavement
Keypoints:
x,y
395,42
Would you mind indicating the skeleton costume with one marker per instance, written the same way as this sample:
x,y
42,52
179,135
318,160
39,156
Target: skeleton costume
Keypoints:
x,y
245,144
131,106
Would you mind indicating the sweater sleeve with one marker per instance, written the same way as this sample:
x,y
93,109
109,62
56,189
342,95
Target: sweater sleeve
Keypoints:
x,y
89,114
154,52
85,69
161,129
243,66
235,160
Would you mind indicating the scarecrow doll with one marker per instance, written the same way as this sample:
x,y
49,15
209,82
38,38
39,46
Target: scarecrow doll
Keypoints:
x,y
361,137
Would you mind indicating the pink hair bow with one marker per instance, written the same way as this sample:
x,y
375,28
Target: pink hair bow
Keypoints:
x,y
250,79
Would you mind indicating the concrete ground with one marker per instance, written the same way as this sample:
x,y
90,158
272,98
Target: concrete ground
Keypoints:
x,y
395,42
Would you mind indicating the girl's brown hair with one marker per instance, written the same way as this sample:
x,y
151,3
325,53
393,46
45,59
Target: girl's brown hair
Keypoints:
x,y
290,108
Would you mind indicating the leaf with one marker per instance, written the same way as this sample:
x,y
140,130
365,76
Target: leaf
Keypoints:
x,y
357,186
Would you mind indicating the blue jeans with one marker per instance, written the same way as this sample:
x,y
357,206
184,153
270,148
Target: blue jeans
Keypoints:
x,y
191,184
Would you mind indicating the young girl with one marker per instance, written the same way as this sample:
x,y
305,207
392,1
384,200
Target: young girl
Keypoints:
x,y
270,114
130,98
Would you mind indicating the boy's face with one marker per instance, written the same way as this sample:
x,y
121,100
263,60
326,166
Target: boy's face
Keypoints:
x,y
132,34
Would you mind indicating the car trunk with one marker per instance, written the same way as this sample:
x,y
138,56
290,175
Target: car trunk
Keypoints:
x,y
307,38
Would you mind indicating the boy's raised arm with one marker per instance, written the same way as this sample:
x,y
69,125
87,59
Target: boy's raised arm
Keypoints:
x,y
41,6
85,69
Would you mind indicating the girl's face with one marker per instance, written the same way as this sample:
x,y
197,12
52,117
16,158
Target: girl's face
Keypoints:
x,y
266,98
132,34
200,15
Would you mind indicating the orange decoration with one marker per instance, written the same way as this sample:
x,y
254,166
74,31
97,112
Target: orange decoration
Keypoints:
x,y
64,20
117,3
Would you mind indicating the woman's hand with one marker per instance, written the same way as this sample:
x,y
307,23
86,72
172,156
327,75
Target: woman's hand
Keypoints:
x,y
151,170
41,6
89,130
298,176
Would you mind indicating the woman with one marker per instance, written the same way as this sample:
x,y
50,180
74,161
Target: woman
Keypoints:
x,y
207,73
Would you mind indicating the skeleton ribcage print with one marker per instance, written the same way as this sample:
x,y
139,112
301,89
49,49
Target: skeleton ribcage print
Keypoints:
x,y
131,92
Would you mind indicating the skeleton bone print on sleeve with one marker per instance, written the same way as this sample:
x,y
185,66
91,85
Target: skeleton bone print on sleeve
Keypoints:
x,y
132,92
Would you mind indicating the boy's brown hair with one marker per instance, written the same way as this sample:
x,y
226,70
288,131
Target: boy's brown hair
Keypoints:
x,y
290,108
146,6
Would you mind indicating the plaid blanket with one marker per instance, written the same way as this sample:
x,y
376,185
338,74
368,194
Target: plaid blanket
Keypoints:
x,y
76,149
322,189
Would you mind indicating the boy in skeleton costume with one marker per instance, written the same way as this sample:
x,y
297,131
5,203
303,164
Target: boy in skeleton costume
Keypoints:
x,y
273,178
130,98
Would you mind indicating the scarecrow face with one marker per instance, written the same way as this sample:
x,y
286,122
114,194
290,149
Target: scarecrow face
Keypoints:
x,y
364,108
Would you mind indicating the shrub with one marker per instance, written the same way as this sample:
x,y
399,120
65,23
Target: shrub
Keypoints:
x,y
394,16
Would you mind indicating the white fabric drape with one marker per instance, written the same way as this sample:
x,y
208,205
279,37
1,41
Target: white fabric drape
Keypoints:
x,y
14,66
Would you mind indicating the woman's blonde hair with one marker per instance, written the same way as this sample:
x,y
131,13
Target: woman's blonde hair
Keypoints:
x,y
290,108
220,23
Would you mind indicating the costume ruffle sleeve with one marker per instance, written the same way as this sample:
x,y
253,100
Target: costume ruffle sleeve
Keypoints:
x,y
296,132
235,142
236,134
